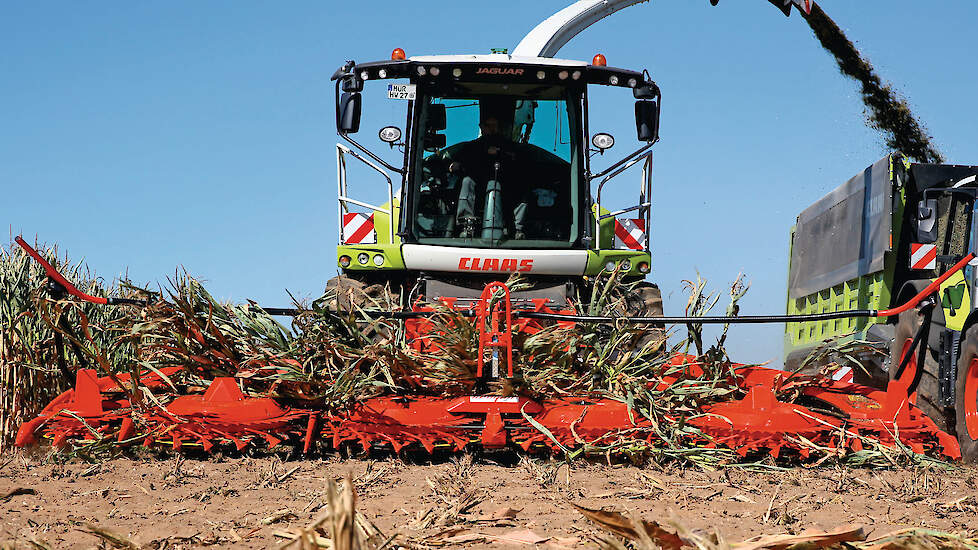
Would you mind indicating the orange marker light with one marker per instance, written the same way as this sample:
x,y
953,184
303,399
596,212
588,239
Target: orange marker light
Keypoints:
x,y
398,55
599,61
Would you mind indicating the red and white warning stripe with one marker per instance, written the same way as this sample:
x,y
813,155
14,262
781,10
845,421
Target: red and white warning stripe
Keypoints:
x,y
358,228
629,234
845,374
923,256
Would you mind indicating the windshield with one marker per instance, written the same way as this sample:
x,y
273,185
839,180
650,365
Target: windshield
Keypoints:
x,y
506,174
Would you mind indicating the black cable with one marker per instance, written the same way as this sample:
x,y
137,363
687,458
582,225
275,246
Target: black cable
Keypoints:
x,y
746,319
373,314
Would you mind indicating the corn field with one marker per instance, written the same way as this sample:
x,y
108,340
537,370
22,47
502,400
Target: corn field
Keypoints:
x,y
32,369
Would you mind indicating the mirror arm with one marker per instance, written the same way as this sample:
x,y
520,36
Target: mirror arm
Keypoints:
x,y
363,149
616,165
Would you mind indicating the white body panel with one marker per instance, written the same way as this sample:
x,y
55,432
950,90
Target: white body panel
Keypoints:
x,y
485,260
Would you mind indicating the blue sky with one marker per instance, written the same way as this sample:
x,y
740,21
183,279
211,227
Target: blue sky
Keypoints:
x,y
147,136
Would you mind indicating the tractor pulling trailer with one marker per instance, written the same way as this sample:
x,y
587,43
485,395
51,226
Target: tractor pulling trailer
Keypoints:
x,y
879,239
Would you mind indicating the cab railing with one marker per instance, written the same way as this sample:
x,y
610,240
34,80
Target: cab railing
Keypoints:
x,y
644,195
344,200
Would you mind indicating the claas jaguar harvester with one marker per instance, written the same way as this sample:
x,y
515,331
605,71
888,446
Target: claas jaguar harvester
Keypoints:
x,y
496,179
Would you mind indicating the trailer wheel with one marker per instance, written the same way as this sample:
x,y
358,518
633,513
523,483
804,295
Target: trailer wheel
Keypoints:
x,y
927,394
966,397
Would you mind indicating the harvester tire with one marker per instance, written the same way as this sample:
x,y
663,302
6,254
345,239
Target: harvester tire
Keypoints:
x,y
966,397
645,300
928,389
348,294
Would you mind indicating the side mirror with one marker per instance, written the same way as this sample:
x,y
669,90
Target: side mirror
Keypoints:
x,y
649,90
647,120
348,121
352,84
436,118
927,221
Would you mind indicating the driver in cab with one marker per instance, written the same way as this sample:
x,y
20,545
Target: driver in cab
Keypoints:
x,y
496,180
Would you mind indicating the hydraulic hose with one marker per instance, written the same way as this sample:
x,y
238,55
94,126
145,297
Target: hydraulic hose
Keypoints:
x,y
63,284
931,288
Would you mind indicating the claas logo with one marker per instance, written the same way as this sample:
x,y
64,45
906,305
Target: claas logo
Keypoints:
x,y
494,264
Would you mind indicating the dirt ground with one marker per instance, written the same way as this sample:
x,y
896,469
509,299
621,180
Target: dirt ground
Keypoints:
x,y
246,502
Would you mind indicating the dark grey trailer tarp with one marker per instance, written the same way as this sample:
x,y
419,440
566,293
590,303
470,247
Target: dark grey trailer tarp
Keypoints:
x,y
844,235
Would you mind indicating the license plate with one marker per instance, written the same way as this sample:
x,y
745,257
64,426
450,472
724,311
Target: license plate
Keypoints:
x,y
401,91
493,399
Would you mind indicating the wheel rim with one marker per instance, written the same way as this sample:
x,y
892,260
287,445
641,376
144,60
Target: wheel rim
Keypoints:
x,y
910,371
971,399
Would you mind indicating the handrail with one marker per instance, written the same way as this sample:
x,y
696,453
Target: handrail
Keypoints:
x,y
370,154
634,154
343,199
644,191
624,210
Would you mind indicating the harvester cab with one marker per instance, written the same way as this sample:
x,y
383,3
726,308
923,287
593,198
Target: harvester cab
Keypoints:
x,y
495,179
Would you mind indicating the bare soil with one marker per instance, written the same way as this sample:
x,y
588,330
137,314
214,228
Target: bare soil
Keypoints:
x,y
244,502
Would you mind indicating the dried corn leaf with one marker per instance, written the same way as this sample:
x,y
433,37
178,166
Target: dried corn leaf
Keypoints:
x,y
620,525
808,538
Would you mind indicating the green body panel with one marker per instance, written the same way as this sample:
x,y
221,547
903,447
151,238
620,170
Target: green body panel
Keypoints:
x,y
606,230
597,260
393,260
382,223
392,256
870,291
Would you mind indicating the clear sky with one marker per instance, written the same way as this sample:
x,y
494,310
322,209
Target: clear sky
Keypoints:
x,y
145,136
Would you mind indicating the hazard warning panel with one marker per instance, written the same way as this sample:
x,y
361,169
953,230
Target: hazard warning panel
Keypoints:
x,y
845,374
358,228
923,256
629,234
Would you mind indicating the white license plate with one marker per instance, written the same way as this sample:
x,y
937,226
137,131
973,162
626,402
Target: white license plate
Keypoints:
x,y
493,399
401,91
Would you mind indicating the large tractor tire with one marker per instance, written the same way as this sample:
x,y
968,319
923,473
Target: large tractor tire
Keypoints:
x,y
347,294
645,300
927,394
966,396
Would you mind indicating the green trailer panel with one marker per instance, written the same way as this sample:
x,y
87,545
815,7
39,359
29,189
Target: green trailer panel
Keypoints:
x,y
843,254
